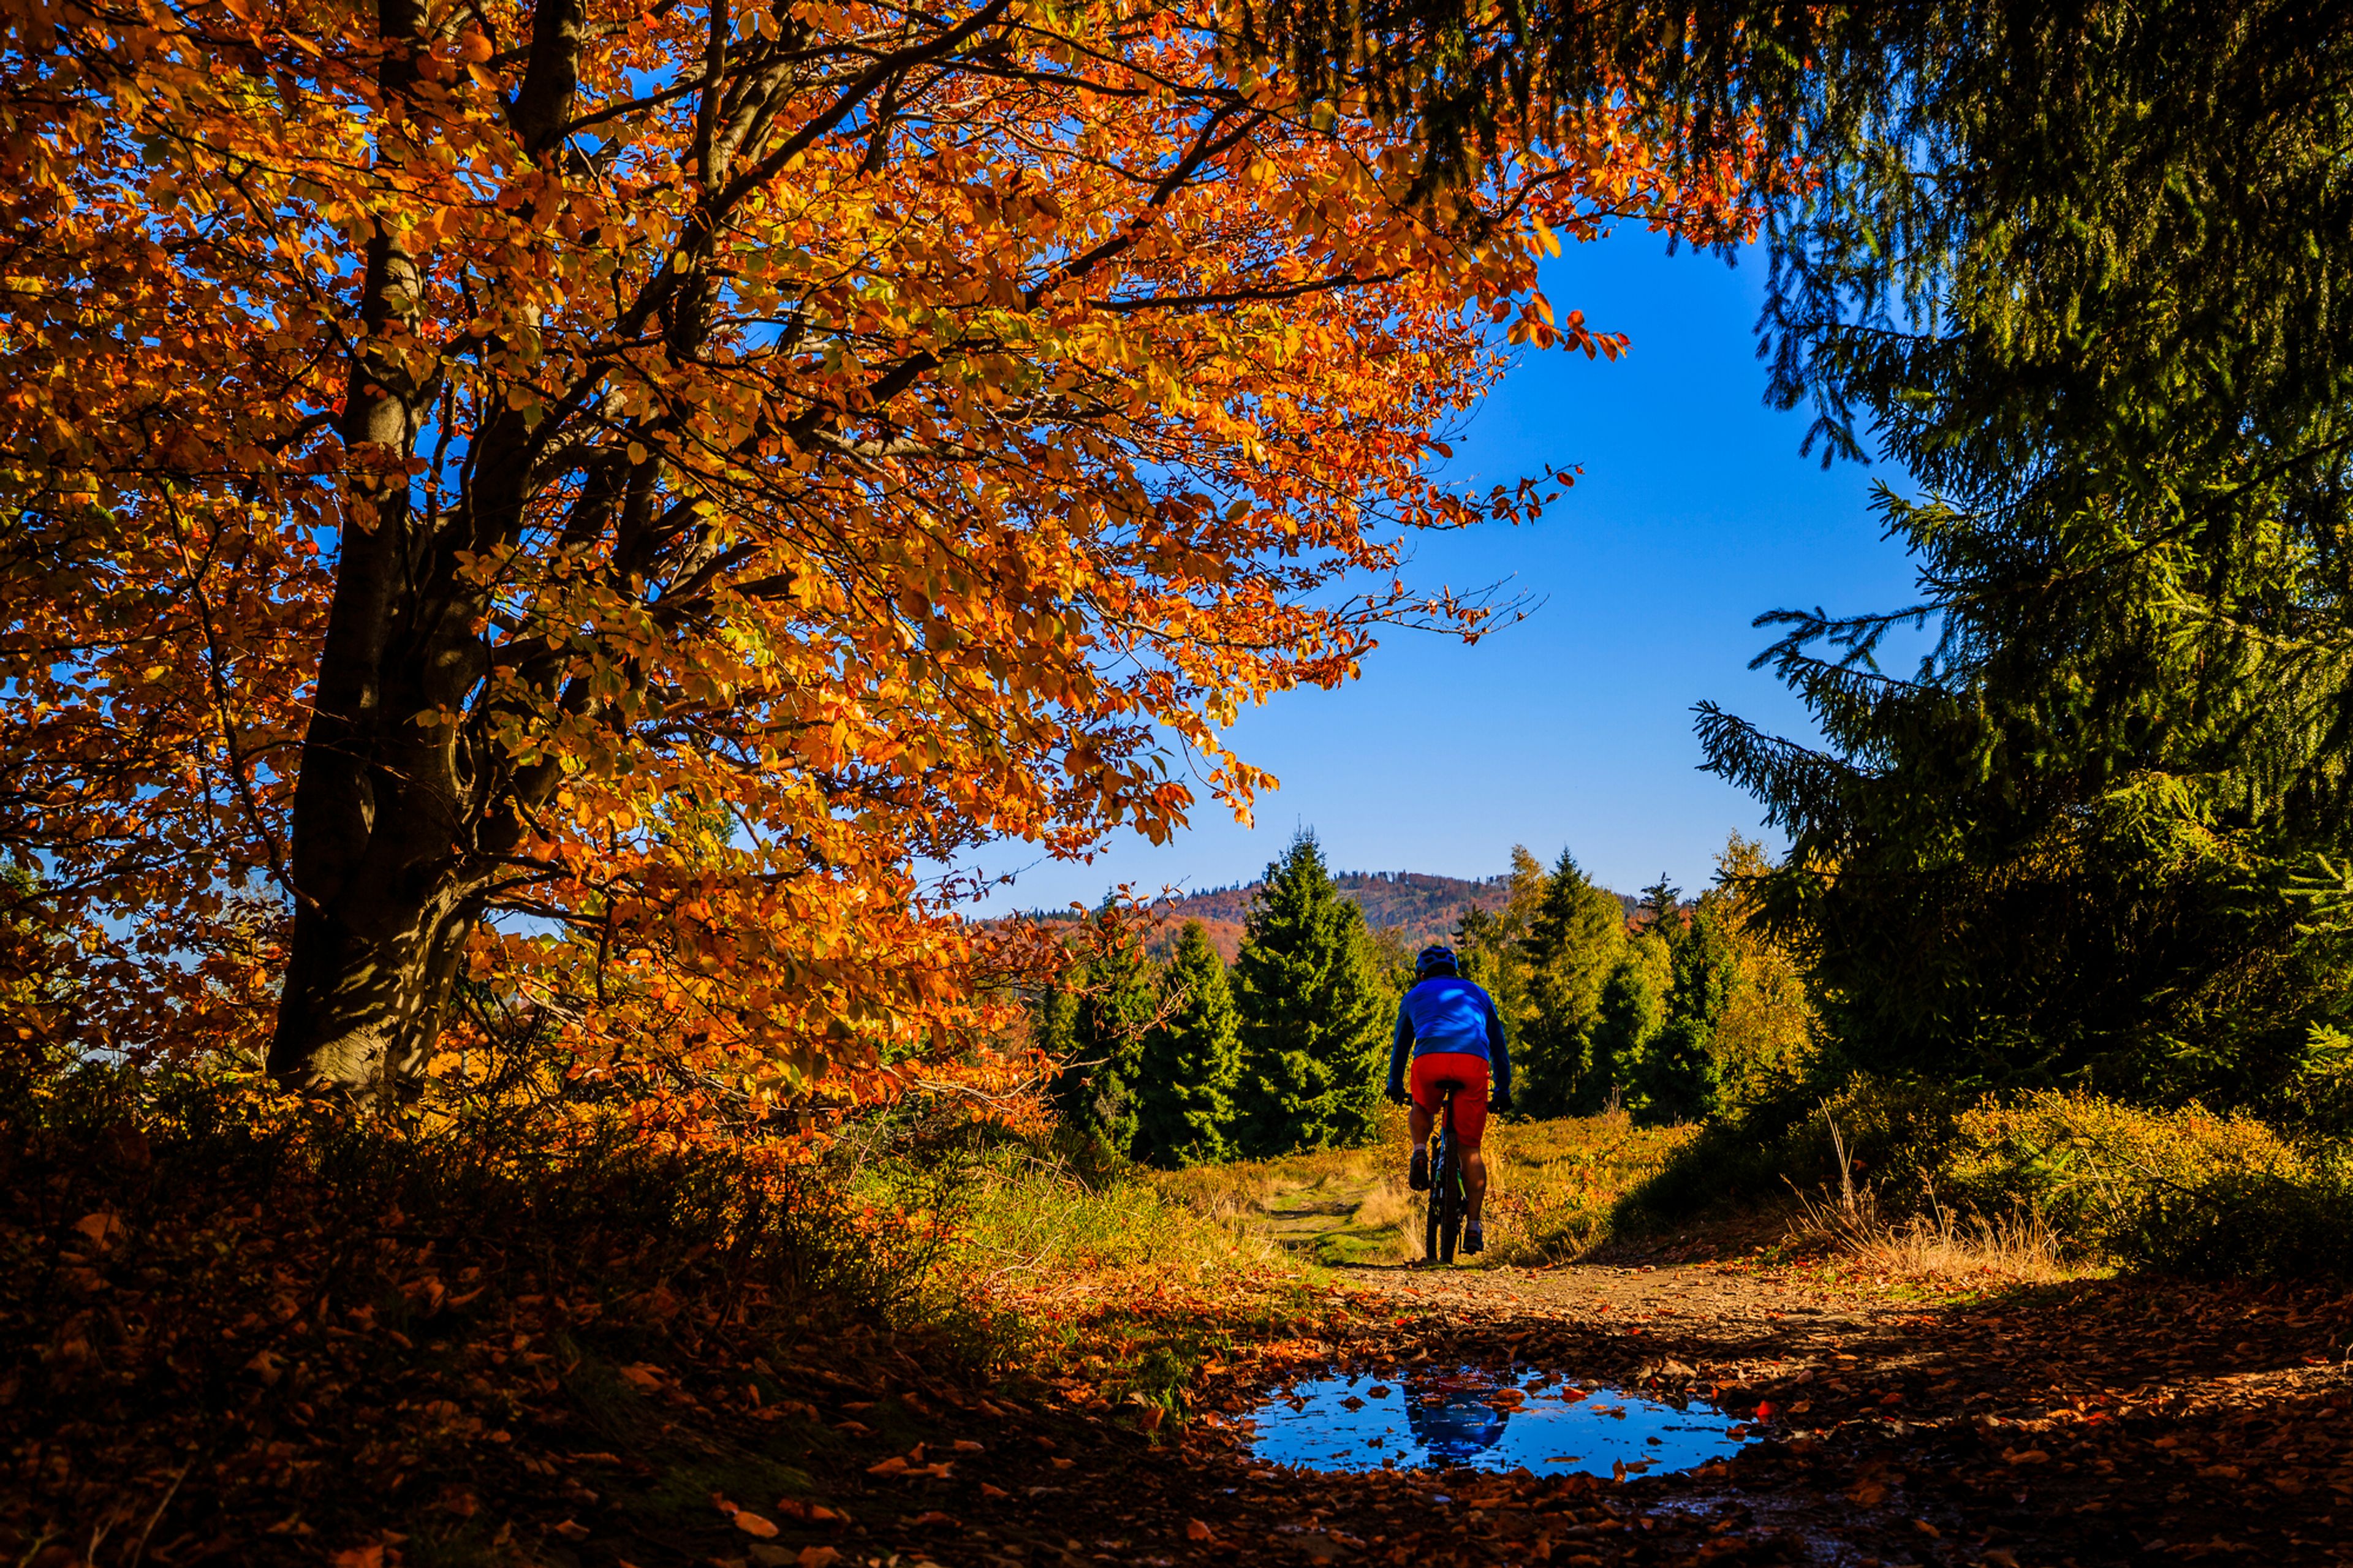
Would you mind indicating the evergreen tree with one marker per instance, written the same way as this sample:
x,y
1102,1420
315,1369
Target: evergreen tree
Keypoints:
x,y
1661,908
1313,1039
1575,940
1092,1027
1632,1008
1390,964
1674,1073
1190,1061
2081,271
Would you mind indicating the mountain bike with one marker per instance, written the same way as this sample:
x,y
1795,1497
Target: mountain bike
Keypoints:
x,y
1449,1198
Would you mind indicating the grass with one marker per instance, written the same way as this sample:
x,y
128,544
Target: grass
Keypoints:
x,y
1552,1187
1097,1284
1555,1186
1953,1249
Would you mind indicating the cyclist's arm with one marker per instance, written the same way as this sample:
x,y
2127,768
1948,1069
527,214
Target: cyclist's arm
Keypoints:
x,y
1400,1047
1500,1049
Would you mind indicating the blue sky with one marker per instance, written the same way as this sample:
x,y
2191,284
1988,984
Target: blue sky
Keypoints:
x,y
1694,514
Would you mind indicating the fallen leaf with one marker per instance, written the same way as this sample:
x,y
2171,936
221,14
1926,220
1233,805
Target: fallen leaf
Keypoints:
x,y
103,1228
572,1530
753,1524
818,1556
1196,1531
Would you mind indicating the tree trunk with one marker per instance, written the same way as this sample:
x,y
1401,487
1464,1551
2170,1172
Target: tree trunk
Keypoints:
x,y
383,899
401,827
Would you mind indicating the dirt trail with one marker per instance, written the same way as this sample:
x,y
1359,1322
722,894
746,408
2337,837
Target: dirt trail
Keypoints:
x,y
2092,1423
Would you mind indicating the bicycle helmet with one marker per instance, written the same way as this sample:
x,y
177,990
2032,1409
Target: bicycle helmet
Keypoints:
x,y
1433,960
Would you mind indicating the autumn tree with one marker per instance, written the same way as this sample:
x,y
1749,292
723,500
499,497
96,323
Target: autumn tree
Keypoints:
x,y
438,433
1314,1033
1767,1040
1190,1060
1489,946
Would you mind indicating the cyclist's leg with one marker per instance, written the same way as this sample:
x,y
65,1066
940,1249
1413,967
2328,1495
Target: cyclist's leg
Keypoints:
x,y
1420,1120
1470,1131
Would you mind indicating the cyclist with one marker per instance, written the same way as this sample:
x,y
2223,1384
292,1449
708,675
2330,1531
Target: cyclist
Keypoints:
x,y
1450,1029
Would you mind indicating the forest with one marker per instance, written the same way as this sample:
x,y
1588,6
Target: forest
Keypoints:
x,y
542,538
1678,1013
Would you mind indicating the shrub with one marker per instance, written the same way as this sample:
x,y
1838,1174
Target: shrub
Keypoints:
x,y
2187,1191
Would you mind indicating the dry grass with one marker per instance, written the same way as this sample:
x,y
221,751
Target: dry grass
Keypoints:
x,y
1391,1204
2015,1249
1551,1185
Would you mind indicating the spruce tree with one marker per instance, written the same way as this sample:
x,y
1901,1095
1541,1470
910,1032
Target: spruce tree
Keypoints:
x,y
2080,270
1632,1010
1190,1061
1663,906
1313,1039
1674,1072
1575,940
1092,1027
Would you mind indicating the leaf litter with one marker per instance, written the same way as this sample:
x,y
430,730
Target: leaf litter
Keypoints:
x,y
198,1381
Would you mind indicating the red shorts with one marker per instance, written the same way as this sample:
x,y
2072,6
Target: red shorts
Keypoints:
x,y
1468,1075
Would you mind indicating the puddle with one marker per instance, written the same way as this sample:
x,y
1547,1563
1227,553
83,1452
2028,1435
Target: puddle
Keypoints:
x,y
1436,1419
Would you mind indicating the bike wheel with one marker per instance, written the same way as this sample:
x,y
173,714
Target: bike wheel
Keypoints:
x,y
1433,1209
1447,1198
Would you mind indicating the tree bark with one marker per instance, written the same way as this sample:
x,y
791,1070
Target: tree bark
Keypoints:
x,y
385,894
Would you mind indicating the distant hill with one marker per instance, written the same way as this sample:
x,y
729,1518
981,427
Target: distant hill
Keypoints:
x,y
1420,906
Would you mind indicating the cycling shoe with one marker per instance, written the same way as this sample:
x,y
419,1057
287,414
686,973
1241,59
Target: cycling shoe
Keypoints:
x,y
1474,1239
1417,1174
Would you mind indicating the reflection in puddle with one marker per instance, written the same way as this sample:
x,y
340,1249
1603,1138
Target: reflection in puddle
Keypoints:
x,y
1441,1418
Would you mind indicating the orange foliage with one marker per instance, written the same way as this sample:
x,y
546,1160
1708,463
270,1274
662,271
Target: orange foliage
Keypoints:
x,y
793,445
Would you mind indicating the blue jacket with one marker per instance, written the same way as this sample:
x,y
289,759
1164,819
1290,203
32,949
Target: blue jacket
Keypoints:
x,y
1444,1013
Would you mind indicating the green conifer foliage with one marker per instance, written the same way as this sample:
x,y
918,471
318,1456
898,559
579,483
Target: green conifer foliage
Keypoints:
x,y
1632,1008
2078,267
2082,270
1313,1039
1674,1073
1191,1060
1575,940
1094,1026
